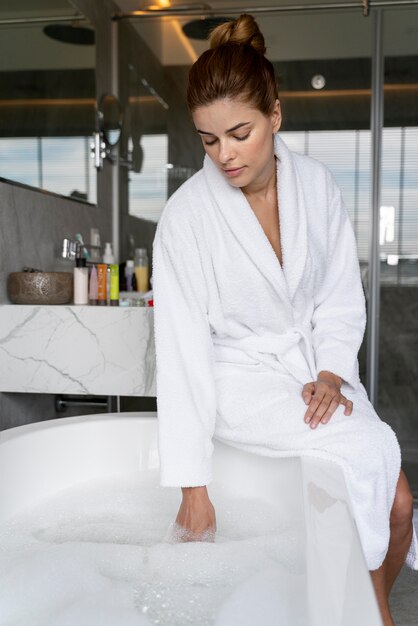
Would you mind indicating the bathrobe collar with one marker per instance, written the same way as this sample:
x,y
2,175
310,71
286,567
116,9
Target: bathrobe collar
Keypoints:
x,y
241,219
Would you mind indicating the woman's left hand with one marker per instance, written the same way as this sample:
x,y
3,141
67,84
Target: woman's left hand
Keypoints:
x,y
324,397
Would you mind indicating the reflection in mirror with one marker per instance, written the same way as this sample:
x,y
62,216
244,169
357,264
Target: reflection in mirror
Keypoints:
x,y
47,99
147,148
148,188
110,119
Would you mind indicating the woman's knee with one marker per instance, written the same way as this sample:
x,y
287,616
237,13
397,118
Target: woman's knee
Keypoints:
x,y
403,505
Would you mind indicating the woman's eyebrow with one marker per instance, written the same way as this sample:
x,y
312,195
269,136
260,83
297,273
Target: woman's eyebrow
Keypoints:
x,y
230,130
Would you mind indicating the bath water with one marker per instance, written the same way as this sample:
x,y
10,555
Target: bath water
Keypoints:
x,y
102,554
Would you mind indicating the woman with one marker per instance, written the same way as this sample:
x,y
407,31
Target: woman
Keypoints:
x,y
260,313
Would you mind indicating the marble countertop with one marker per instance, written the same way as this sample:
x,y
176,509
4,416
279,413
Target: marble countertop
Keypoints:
x,y
77,350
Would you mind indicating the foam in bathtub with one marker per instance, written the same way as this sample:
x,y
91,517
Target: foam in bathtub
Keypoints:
x,y
94,555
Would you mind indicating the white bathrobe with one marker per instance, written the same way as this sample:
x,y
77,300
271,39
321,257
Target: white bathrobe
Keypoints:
x,y
238,335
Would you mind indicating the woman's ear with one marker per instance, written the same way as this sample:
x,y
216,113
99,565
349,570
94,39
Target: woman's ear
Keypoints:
x,y
276,116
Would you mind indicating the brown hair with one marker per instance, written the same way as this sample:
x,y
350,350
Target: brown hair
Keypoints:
x,y
234,67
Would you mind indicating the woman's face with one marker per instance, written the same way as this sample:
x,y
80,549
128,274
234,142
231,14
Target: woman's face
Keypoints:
x,y
238,139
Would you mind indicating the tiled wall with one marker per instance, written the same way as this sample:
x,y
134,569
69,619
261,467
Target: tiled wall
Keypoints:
x,y
33,224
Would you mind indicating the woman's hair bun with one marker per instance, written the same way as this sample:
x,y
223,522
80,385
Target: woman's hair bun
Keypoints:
x,y
235,67
243,30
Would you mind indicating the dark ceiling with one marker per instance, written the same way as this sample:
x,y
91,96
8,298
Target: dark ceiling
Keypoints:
x,y
347,105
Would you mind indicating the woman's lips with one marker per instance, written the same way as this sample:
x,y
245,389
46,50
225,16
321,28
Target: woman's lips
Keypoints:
x,y
233,171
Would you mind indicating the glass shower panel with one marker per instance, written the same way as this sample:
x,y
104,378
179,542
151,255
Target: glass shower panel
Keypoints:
x,y
325,90
324,84
324,75
398,342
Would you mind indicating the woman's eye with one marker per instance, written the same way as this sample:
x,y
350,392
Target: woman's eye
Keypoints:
x,y
243,138
211,143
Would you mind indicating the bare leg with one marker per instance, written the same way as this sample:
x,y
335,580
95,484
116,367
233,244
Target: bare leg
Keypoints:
x,y
400,531
379,582
400,540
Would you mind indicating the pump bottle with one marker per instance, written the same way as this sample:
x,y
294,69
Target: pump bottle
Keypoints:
x,y
108,259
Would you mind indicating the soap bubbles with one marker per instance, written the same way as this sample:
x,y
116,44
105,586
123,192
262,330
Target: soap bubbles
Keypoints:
x,y
178,534
107,552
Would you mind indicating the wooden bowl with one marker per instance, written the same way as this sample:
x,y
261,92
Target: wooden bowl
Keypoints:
x,y
40,287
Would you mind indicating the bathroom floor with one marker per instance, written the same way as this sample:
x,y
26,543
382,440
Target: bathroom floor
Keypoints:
x,y
404,601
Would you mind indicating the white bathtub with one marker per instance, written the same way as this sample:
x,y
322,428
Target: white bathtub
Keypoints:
x,y
39,460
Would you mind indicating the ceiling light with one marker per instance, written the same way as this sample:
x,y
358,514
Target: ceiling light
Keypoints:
x,y
70,33
318,81
165,5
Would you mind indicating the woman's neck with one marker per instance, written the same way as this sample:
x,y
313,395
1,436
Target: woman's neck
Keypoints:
x,y
265,185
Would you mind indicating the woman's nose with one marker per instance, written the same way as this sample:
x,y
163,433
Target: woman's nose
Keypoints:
x,y
226,152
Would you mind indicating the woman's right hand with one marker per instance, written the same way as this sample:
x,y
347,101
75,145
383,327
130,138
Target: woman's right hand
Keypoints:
x,y
196,520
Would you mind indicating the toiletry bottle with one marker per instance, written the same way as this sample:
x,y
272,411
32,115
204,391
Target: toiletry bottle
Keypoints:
x,y
129,272
108,258
114,284
93,286
101,284
141,269
81,281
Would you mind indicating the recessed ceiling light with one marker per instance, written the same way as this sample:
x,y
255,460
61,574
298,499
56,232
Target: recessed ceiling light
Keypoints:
x,y
318,81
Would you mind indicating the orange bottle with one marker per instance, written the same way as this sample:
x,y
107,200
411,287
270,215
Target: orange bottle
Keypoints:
x,y
101,284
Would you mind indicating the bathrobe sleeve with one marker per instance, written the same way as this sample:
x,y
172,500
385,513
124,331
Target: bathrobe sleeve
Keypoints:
x,y
186,399
339,316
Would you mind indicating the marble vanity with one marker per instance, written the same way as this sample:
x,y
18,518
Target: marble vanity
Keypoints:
x,y
77,350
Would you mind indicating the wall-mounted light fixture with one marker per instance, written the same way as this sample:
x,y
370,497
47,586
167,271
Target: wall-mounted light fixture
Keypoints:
x,y
109,120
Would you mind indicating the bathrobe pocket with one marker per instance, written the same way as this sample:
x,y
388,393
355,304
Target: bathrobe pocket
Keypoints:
x,y
247,391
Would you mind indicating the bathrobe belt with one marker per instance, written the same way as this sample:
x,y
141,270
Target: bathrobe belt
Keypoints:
x,y
291,351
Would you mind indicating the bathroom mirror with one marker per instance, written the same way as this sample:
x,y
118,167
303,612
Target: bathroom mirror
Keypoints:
x,y
110,119
145,89
147,146
47,97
